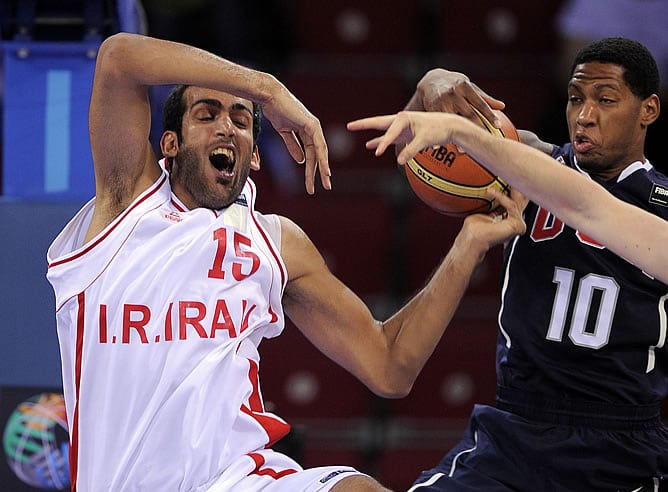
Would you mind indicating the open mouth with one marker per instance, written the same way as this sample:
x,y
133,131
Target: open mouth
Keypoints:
x,y
582,144
223,160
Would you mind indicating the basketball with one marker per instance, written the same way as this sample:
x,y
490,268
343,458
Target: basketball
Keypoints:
x,y
453,183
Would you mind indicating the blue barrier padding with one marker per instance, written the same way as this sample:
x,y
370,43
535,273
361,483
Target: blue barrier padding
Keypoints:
x,y
29,353
46,149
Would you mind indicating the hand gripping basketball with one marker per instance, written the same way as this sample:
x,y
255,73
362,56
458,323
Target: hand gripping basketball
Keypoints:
x,y
451,182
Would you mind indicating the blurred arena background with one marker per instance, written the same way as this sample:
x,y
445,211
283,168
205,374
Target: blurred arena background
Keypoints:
x,y
344,59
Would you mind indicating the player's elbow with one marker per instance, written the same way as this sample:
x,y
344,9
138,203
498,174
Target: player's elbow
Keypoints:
x,y
393,390
394,383
396,392
112,45
115,53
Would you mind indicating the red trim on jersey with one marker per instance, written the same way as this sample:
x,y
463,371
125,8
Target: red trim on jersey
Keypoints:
x,y
274,316
118,221
264,234
74,430
275,428
182,208
177,205
255,401
259,461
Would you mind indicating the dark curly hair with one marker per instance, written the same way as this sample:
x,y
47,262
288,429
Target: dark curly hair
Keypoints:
x,y
175,107
640,71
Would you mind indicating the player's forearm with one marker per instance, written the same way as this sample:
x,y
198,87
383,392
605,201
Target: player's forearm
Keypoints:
x,y
534,173
148,61
417,328
575,199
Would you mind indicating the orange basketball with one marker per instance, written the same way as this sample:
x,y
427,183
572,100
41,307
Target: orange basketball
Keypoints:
x,y
453,183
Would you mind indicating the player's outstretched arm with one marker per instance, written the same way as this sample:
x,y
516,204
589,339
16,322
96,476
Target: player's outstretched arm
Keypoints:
x,y
584,205
387,356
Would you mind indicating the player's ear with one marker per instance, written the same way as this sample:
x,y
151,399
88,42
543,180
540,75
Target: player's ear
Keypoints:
x,y
169,144
255,159
650,109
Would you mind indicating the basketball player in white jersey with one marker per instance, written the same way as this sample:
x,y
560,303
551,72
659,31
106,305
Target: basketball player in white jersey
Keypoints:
x,y
167,281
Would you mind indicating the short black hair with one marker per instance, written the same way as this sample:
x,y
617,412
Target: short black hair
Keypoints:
x,y
640,71
175,107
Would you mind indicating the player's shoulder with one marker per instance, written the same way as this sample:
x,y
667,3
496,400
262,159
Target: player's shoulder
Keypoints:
x,y
646,175
290,230
563,153
657,175
531,139
649,187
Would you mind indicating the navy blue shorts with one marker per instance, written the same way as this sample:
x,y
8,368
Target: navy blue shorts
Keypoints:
x,y
501,451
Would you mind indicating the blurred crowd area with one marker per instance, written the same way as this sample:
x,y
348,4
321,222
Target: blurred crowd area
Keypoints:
x,y
347,59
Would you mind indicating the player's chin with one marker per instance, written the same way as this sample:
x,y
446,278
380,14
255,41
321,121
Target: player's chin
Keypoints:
x,y
590,161
227,193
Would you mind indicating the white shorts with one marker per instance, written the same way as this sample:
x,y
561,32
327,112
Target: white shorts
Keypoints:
x,y
269,471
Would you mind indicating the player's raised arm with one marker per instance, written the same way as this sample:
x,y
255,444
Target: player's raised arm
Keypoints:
x,y
120,116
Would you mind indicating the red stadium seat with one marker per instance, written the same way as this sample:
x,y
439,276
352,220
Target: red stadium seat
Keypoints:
x,y
350,27
491,27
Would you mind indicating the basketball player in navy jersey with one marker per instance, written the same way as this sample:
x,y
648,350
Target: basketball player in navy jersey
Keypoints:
x,y
582,366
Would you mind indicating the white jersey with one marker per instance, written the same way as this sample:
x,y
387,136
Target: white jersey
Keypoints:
x,y
159,319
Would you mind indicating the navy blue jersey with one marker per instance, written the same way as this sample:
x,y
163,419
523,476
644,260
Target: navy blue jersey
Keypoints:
x,y
578,322
581,362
